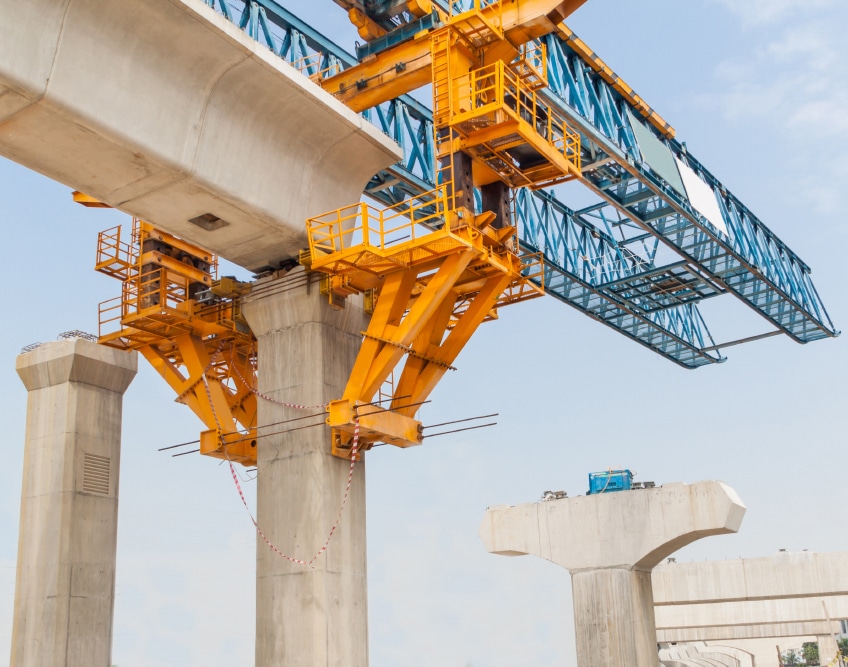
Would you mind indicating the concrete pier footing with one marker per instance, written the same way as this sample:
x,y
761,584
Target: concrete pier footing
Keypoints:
x,y
306,616
65,586
610,543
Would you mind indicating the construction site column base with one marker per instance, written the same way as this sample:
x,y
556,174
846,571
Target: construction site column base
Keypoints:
x,y
306,615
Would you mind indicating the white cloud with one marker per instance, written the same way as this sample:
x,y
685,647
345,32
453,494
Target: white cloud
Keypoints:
x,y
792,81
767,11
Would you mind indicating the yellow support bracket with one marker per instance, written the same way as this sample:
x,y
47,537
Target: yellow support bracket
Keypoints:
x,y
189,327
436,273
499,28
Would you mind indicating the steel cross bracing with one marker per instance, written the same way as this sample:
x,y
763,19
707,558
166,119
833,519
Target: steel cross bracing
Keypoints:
x,y
641,258
749,261
678,333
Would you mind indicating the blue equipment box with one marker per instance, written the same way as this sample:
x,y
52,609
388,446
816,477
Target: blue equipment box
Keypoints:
x,y
610,480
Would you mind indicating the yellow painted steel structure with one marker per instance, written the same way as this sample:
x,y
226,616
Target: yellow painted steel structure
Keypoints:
x,y
607,74
437,268
433,268
407,66
438,273
202,348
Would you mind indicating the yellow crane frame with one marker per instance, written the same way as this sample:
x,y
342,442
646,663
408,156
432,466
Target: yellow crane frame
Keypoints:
x,y
202,348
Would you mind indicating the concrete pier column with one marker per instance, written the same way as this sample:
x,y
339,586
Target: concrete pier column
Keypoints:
x,y
65,585
609,543
827,648
306,617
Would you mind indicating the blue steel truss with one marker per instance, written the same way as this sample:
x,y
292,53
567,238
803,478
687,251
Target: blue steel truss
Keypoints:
x,y
749,261
640,259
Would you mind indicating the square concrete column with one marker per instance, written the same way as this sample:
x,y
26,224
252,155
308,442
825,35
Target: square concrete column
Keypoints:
x,y
65,584
306,617
828,648
610,542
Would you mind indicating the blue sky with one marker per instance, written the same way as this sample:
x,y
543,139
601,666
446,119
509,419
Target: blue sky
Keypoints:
x,y
757,90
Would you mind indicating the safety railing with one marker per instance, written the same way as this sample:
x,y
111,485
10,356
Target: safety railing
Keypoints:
x,y
153,289
311,66
531,65
496,94
363,225
114,256
478,22
110,313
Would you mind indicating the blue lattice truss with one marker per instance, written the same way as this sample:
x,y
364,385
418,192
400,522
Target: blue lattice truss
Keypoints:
x,y
640,259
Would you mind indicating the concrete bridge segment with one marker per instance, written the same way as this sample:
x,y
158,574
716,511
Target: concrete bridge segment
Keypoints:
x,y
165,110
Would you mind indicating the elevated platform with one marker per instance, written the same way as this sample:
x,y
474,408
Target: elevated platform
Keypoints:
x,y
167,111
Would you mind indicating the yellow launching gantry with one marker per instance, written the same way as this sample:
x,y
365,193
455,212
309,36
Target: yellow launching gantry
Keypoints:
x,y
435,269
188,325
432,268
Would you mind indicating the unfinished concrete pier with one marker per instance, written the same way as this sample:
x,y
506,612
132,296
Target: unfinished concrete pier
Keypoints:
x,y
65,586
610,542
318,615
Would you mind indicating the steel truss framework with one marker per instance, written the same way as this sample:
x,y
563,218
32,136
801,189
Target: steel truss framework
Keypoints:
x,y
640,259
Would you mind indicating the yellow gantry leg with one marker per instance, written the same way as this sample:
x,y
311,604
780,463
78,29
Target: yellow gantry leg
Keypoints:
x,y
394,340
206,392
422,373
435,287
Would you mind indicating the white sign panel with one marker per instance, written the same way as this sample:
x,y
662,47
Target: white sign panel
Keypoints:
x,y
701,196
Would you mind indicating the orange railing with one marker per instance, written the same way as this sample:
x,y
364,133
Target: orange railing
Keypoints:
x,y
365,226
496,92
310,66
114,256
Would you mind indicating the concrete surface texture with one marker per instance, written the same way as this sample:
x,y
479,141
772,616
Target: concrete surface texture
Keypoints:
x,y
787,595
310,617
764,650
699,654
64,591
167,111
779,611
609,543
786,574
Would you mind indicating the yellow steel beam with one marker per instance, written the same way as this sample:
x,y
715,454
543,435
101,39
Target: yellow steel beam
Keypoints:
x,y
445,353
87,200
429,338
405,67
364,386
387,315
384,77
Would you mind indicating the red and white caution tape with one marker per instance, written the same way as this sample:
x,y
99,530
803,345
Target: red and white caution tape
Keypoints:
x,y
270,399
308,563
353,452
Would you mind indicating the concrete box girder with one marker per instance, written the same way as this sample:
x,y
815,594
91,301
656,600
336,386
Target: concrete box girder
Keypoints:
x,y
778,610
166,110
784,575
788,595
